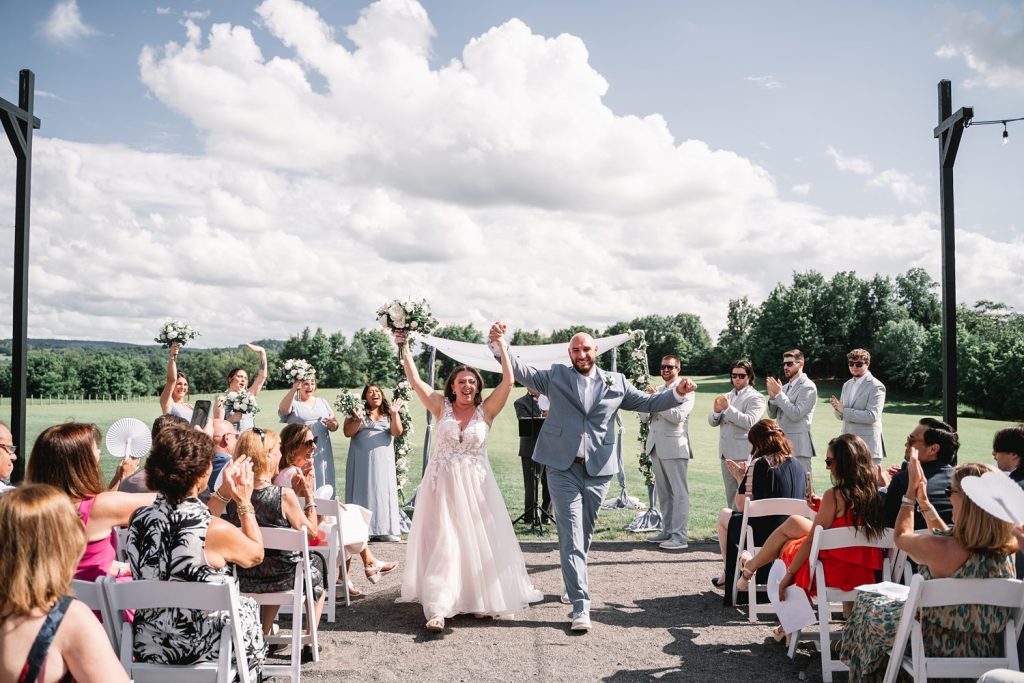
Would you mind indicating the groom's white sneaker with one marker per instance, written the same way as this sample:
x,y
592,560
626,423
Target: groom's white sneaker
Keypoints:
x,y
580,621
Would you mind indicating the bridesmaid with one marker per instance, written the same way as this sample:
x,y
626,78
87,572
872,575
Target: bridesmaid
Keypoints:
x,y
172,398
370,479
238,379
300,406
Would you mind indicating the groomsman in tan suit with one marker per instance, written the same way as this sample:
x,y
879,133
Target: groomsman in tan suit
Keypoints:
x,y
861,403
792,404
668,444
735,413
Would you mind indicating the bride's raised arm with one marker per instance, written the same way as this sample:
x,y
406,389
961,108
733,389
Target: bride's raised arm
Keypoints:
x,y
433,401
495,401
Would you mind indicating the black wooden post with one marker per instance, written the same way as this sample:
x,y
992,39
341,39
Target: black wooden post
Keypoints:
x,y
19,123
949,131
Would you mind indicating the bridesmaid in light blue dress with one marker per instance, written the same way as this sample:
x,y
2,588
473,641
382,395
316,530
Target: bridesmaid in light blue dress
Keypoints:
x,y
300,406
370,479
238,379
172,398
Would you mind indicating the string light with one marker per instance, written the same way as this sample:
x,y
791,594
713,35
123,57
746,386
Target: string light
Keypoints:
x,y
1006,133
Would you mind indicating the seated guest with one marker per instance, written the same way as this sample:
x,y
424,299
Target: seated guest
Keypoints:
x,y
298,444
7,457
67,456
225,436
853,501
178,539
1007,450
979,547
45,634
275,507
772,473
136,483
936,444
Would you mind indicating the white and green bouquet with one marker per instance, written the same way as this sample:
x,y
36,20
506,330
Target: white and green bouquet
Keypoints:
x,y
240,402
350,405
407,315
175,332
297,369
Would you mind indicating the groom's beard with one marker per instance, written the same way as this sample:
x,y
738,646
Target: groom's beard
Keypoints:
x,y
583,365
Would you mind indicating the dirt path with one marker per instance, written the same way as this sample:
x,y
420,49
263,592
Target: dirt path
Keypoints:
x,y
655,613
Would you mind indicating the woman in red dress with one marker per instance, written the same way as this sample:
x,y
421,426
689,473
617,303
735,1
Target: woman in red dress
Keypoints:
x,y
853,501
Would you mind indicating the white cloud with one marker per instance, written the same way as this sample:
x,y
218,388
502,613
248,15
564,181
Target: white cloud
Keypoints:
x,y
499,184
802,189
196,15
993,51
163,10
902,185
766,82
850,164
65,25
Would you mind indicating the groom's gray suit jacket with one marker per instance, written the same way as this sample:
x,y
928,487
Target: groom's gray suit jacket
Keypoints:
x,y
568,423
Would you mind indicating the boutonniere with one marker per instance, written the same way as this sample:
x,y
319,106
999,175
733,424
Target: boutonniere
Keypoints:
x,y
609,382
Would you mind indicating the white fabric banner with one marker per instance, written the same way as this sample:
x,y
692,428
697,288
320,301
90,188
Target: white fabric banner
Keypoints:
x,y
541,356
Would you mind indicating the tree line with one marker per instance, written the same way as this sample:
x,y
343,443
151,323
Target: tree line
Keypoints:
x,y
896,319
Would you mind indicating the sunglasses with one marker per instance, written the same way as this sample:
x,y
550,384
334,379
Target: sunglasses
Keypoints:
x,y
950,491
788,363
668,367
309,443
737,375
856,363
262,433
829,462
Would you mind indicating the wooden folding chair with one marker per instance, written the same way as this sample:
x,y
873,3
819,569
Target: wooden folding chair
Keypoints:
x,y
1007,593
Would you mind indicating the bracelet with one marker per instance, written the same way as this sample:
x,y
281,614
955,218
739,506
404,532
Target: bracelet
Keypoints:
x,y
309,505
909,501
246,509
223,499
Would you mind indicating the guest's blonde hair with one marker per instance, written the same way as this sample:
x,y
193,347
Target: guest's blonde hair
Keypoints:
x,y
41,541
253,442
975,529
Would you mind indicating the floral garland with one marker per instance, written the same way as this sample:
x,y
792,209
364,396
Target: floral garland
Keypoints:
x,y
636,370
402,393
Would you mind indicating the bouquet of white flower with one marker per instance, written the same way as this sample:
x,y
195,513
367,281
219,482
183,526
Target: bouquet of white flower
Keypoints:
x,y
240,402
350,405
406,315
297,369
175,332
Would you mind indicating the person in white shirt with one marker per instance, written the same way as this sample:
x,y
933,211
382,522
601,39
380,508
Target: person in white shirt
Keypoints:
x,y
793,403
735,413
861,404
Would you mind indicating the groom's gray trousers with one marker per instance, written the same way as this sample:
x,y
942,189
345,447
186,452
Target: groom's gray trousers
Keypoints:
x,y
576,498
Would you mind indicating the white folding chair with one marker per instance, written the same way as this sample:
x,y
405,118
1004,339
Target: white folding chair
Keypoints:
x,y
752,509
299,598
332,553
95,598
220,596
122,543
1007,593
831,599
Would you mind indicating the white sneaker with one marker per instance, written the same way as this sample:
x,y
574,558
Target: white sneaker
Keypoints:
x,y
565,599
580,621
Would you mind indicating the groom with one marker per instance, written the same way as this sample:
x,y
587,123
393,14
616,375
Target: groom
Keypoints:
x,y
577,445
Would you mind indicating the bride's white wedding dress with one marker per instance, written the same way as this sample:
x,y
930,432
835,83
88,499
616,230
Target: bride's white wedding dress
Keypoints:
x,y
463,556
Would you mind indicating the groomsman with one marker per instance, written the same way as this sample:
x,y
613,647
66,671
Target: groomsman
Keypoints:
x,y
531,413
860,407
735,413
668,444
792,404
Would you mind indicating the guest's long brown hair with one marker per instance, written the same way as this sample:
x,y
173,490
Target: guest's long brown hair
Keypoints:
x,y
768,440
63,457
854,479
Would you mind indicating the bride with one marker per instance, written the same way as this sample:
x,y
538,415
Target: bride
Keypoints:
x,y
463,556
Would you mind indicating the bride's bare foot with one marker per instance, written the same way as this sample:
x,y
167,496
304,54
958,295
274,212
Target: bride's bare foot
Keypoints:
x,y
435,624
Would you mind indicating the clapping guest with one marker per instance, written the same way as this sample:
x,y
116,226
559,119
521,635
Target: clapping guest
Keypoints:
x,y
67,456
370,478
773,472
45,634
936,445
172,398
178,538
238,380
979,547
301,406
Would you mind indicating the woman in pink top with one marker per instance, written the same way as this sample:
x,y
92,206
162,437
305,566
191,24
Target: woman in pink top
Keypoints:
x,y
67,456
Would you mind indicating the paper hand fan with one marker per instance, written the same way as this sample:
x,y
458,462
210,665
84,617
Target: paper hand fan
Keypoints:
x,y
996,494
325,491
128,437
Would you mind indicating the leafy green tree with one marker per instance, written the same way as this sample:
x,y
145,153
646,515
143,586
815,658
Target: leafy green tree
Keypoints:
x,y
898,358
50,373
915,293
734,341
380,360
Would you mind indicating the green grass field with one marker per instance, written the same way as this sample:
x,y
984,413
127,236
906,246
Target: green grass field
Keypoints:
x,y
706,491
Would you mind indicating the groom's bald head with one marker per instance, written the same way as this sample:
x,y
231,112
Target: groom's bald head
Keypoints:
x,y
582,352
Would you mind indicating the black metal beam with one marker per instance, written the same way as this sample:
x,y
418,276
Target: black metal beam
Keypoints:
x,y
19,122
949,132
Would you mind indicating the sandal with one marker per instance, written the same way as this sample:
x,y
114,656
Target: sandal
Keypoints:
x,y
745,576
354,592
718,581
779,634
435,624
375,570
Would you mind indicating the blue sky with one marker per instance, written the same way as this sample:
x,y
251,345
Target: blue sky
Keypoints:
x,y
544,162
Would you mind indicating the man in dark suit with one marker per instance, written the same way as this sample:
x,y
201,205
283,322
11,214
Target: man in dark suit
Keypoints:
x,y
1008,452
936,444
531,416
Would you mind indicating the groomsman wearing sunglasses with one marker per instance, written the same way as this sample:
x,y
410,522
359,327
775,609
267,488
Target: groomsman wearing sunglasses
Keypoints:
x,y
734,414
792,404
861,404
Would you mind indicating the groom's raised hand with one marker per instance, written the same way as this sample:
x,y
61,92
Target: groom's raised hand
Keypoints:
x,y
685,386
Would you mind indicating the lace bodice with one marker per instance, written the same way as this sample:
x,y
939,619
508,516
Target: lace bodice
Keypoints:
x,y
455,447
